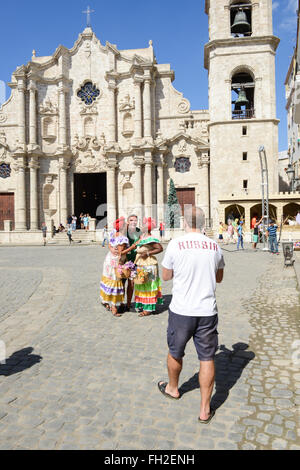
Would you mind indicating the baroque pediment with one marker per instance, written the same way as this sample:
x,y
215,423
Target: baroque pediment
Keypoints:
x,y
182,138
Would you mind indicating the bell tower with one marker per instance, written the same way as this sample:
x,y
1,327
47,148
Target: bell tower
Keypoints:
x,y
240,59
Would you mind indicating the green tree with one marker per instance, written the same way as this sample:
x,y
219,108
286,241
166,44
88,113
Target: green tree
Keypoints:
x,y
173,209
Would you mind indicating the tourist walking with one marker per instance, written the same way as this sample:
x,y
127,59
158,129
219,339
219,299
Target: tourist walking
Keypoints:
x,y
230,233
240,235
255,233
162,230
105,236
69,233
272,234
147,282
86,221
44,232
74,222
195,263
221,230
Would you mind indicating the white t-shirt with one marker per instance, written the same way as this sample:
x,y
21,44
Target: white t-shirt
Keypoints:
x,y
195,260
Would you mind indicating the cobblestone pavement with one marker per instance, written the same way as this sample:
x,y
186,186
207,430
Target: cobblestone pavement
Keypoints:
x,y
78,378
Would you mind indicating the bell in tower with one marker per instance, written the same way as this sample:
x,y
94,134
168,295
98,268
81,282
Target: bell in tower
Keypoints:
x,y
241,24
241,101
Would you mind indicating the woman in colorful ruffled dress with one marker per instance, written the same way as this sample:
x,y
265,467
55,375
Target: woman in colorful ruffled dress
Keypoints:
x,y
147,282
111,286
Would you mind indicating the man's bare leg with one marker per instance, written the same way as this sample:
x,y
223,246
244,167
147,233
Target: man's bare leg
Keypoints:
x,y
206,382
174,369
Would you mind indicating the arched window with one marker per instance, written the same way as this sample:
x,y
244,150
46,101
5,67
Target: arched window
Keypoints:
x,y
240,18
242,93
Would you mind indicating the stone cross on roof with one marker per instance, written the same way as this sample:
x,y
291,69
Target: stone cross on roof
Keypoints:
x,y
88,16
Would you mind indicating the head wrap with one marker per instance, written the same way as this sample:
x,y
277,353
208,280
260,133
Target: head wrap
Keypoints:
x,y
119,224
150,223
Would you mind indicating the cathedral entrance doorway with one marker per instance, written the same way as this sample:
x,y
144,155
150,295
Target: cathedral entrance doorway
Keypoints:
x,y
7,211
89,194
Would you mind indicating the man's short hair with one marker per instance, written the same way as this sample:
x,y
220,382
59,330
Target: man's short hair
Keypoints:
x,y
194,217
132,215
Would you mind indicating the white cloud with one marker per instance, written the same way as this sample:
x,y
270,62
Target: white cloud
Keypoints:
x,y
288,20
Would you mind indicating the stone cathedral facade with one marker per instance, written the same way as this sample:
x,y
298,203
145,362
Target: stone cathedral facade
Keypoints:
x,y
101,130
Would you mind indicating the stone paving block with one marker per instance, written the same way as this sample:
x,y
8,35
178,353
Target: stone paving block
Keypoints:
x,y
93,364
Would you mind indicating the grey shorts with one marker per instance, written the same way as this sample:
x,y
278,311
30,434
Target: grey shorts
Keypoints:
x,y
203,330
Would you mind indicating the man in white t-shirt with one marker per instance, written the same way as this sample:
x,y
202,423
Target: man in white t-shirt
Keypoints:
x,y
196,264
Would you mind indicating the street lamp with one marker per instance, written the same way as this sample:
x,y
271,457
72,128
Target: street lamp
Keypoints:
x,y
265,192
290,171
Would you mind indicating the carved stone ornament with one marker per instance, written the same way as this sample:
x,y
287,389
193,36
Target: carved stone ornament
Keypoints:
x,y
182,164
86,143
182,147
127,104
3,117
88,163
88,110
4,150
183,106
126,175
48,108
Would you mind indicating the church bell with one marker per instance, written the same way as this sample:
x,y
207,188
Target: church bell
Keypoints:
x,y
240,24
242,100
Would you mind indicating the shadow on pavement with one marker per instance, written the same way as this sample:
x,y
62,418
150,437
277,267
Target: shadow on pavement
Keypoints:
x,y
229,367
165,306
19,361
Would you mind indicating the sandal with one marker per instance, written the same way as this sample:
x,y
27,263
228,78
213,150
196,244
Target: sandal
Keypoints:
x,y
206,421
162,388
144,313
107,306
114,311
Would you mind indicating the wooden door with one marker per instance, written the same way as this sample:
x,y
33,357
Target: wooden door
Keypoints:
x,y
7,209
185,196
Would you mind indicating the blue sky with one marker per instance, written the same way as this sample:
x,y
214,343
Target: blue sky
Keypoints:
x,y
178,29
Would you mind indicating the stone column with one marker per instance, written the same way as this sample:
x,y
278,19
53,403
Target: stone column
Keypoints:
x,y
138,187
21,113
160,190
63,180
147,108
148,185
204,182
32,115
62,140
20,221
111,106
34,219
138,116
111,192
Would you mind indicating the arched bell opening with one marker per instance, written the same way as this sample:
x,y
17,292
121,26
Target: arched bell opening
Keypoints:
x,y
240,18
242,95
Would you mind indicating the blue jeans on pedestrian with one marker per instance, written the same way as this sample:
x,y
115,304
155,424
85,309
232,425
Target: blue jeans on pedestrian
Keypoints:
x,y
240,241
273,244
105,240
